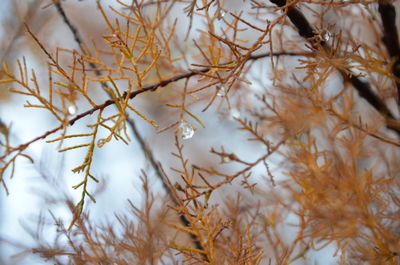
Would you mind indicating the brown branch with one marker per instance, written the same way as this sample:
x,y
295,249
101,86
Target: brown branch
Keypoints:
x,y
132,95
145,148
363,88
298,19
391,38
77,38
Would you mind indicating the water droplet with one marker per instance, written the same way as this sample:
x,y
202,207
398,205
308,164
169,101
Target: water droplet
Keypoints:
x,y
326,36
221,14
72,109
101,142
234,113
226,159
186,130
221,91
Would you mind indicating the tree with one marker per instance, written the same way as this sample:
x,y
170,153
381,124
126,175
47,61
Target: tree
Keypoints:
x,y
306,90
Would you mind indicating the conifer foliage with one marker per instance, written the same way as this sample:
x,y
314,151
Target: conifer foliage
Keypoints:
x,y
307,92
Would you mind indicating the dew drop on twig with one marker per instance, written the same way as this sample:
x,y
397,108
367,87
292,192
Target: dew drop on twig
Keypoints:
x,y
226,159
234,113
72,109
100,143
223,13
326,36
221,91
186,130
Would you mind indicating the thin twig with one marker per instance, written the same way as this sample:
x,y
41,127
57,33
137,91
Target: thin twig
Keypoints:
x,y
144,146
363,88
149,88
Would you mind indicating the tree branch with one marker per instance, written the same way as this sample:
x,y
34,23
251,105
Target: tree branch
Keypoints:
x,y
145,148
149,88
391,39
363,88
